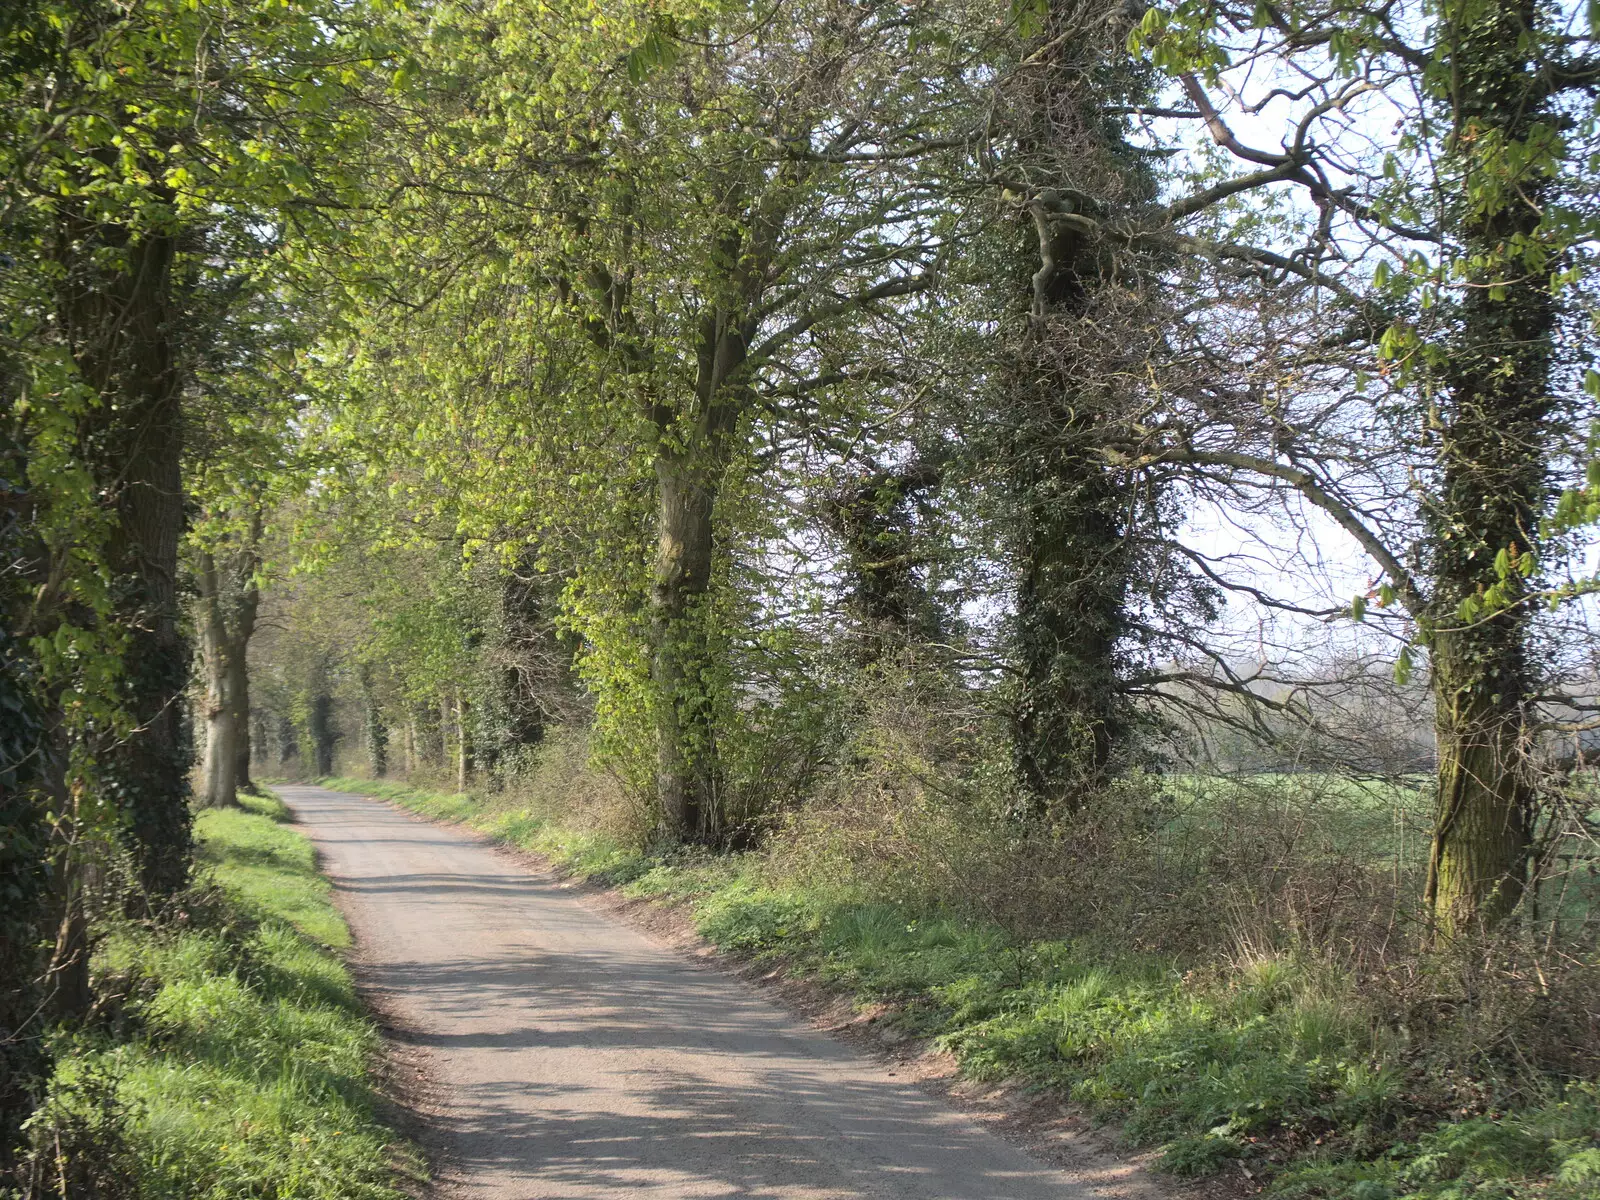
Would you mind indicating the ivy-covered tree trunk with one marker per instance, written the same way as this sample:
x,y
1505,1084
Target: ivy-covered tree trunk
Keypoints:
x,y
686,493
120,326
691,459
377,729
288,742
1072,509
321,733
428,739
239,689
1492,483
1483,818
463,751
24,833
1071,612
874,518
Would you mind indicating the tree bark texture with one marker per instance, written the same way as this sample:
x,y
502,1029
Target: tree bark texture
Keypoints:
x,y
1071,600
462,752
377,730
239,688
230,597
1073,550
874,518
220,765
322,734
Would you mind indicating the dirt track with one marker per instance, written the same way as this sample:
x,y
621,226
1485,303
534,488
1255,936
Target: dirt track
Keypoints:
x,y
569,1055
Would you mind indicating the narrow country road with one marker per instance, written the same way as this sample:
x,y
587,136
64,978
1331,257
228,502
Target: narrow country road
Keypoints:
x,y
574,1057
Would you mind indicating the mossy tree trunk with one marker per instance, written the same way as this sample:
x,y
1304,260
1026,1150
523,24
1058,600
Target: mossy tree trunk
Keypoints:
x,y
320,732
377,729
463,752
220,765
1071,613
874,516
240,691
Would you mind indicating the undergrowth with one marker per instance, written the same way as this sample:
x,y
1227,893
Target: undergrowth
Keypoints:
x,y
1275,1063
230,1057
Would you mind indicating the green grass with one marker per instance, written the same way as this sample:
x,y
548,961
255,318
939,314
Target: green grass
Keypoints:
x,y
1275,1064
268,870
239,1064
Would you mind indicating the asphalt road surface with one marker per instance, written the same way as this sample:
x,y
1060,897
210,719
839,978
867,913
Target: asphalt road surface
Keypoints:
x,y
572,1056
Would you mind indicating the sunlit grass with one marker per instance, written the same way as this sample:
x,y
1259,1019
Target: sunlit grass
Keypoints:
x,y
247,1072
270,871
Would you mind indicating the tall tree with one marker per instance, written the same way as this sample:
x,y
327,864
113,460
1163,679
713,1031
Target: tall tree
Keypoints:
x,y
1077,330
723,198
1450,220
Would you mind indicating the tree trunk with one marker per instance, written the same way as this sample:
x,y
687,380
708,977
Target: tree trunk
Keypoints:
x,y
246,564
1060,402
239,691
288,742
1071,613
376,730
430,736
1482,824
322,734
446,727
1073,512
1492,466
687,495
260,739
221,754
30,775
221,709
69,994
690,464
461,743
874,518
120,329
229,599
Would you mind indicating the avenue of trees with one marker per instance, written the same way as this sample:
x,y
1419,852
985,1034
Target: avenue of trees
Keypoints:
x,y
423,382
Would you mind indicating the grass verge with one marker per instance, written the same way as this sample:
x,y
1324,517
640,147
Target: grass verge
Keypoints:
x,y
1275,1065
233,1058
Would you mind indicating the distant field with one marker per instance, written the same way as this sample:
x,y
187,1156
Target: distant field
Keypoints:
x,y
1388,822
